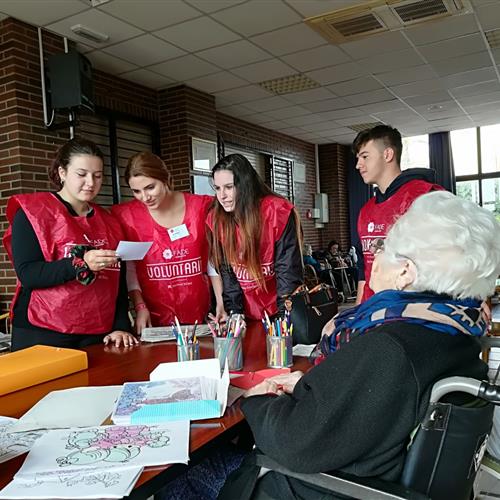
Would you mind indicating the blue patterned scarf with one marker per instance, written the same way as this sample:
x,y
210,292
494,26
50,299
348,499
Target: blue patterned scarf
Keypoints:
x,y
438,312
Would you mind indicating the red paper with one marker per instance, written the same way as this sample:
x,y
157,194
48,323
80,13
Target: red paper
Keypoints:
x,y
249,379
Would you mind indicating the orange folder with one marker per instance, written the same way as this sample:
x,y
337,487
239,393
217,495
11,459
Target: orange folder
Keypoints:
x,y
38,364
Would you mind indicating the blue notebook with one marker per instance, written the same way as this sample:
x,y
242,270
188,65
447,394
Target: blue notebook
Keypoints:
x,y
181,410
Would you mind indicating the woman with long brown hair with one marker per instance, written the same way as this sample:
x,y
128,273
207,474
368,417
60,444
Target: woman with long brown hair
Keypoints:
x,y
255,240
172,278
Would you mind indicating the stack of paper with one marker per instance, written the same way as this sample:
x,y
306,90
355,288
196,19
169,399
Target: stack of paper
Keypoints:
x,y
162,333
96,462
171,394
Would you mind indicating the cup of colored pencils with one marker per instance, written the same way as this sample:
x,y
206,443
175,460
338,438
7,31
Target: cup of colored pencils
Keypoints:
x,y
188,347
279,341
228,338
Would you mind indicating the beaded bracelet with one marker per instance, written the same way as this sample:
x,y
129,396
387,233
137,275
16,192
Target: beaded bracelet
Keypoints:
x,y
140,307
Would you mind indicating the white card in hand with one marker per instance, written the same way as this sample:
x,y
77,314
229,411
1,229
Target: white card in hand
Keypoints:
x,y
133,250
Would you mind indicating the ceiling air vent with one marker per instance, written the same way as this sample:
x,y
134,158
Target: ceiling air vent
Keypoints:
x,y
289,84
493,38
377,16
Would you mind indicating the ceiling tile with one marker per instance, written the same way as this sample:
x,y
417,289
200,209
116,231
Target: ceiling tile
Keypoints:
x,y
319,57
455,47
287,113
144,50
216,82
151,15
417,88
469,77
477,89
268,104
310,8
234,54
256,16
381,63
109,64
374,45
147,78
184,68
209,33
243,94
291,130
298,121
443,29
407,75
310,95
29,11
444,109
213,5
352,113
259,118
473,100
319,127
290,39
98,21
428,98
461,64
264,70
352,120
237,110
355,86
378,107
276,125
369,97
339,73
327,105
489,16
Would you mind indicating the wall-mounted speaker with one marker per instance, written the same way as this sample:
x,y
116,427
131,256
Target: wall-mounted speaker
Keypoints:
x,y
70,81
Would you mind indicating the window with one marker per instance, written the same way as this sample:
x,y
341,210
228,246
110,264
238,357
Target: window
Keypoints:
x,y
476,157
415,152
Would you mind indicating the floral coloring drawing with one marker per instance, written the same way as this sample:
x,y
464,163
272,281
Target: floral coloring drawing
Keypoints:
x,y
113,444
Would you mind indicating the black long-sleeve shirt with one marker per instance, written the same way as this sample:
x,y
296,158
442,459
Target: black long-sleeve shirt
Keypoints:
x,y
33,271
287,268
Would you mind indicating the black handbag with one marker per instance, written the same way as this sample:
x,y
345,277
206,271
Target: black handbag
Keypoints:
x,y
310,310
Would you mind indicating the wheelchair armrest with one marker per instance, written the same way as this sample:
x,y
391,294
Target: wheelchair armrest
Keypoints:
x,y
346,484
481,389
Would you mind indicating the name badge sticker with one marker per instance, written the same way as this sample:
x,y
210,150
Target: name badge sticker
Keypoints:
x,y
178,232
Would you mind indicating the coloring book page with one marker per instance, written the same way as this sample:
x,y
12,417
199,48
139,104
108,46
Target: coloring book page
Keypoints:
x,y
137,394
115,482
13,444
108,446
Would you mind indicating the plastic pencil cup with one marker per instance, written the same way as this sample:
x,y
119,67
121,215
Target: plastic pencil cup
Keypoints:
x,y
188,352
230,348
279,351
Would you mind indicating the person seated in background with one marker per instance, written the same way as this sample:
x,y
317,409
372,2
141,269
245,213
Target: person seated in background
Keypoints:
x,y
439,263
309,260
335,258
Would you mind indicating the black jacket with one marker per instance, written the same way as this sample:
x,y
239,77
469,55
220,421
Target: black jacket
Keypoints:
x,y
355,411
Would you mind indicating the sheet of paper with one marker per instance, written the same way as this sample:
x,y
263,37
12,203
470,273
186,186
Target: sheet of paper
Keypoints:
x,y
303,349
133,250
13,444
77,407
111,482
112,445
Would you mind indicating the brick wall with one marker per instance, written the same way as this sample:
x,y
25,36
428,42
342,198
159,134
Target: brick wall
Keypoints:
x,y
26,146
332,159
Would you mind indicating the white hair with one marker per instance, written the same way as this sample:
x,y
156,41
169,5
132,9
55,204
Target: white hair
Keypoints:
x,y
454,244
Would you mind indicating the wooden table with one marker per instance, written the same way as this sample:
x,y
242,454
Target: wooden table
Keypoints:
x,y
114,366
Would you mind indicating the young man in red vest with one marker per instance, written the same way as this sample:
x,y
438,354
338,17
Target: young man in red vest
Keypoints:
x,y
378,151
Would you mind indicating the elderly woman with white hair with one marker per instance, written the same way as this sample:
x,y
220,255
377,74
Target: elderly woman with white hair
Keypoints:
x,y
355,410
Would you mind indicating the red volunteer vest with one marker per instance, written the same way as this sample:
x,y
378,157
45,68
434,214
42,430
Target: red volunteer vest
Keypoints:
x,y
71,307
172,275
375,220
275,213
